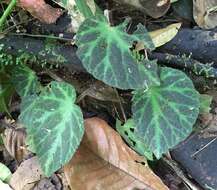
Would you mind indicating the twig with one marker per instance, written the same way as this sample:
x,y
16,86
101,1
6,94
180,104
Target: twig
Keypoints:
x,y
121,106
54,76
7,12
201,149
173,165
43,36
10,28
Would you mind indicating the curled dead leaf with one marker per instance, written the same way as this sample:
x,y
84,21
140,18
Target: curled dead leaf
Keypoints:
x,y
104,161
14,141
27,175
205,13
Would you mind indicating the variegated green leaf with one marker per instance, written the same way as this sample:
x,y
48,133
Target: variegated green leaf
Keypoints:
x,y
54,125
127,131
205,103
6,92
25,80
84,8
105,53
164,115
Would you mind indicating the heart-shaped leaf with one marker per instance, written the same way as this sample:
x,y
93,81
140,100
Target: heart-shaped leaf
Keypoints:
x,y
105,53
164,115
54,123
25,80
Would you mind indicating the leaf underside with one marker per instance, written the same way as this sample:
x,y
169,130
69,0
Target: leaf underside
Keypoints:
x,y
164,115
54,125
105,53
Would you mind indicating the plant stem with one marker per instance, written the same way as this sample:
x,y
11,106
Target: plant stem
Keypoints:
x,y
7,12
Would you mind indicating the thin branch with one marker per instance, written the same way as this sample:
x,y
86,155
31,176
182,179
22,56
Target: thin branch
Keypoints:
x,y
173,165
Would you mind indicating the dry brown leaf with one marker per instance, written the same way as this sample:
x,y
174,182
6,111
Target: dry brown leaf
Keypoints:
x,y
14,141
27,175
51,183
104,161
40,10
205,13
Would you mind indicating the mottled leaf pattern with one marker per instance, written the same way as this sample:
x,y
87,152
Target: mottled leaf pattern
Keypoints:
x,y
25,80
6,92
54,124
5,95
105,53
164,115
127,131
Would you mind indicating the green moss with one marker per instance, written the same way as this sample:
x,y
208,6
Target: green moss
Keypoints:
x,y
50,48
24,57
49,45
6,59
